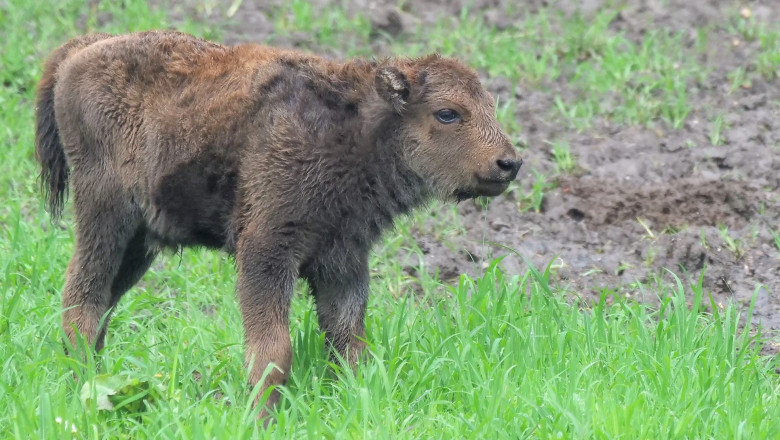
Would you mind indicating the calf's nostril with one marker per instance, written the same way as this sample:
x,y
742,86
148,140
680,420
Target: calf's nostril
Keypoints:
x,y
510,165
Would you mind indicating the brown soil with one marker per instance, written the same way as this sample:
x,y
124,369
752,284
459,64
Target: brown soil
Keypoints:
x,y
644,199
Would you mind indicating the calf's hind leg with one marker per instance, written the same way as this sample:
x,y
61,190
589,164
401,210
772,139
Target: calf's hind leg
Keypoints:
x,y
106,222
137,258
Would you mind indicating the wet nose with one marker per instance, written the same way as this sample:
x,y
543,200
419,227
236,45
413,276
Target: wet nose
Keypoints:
x,y
508,168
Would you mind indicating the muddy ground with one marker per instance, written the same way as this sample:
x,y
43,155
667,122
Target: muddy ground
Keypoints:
x,y
681,187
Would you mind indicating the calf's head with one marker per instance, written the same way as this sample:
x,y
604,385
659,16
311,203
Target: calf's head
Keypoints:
x,y
449,133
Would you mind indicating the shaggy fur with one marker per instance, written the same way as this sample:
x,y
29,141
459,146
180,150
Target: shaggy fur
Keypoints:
x,y
292,163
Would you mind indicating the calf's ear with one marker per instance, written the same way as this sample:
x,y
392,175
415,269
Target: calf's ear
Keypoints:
x,y
391,84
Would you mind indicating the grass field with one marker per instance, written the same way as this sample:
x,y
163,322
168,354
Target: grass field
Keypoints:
x,y
502,356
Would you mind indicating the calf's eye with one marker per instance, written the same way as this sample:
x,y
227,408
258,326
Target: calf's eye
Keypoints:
x,y
447,116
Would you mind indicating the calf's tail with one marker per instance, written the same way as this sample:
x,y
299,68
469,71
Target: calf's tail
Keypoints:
x,y
48,147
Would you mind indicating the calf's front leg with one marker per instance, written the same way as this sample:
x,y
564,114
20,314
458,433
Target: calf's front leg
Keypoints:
x,y
341,309
266,279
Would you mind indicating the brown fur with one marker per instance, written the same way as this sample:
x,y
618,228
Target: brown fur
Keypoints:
x,y
292,163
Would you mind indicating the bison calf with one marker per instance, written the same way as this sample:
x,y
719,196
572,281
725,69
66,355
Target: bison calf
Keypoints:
x,y
293,163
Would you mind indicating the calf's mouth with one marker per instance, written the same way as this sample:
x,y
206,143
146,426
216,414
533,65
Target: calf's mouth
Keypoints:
x,y
483,188
491,187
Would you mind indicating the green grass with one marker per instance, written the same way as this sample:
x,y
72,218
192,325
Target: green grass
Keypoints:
x,y
767,61
564,161
732,244
775,237
610,76
496,357
716,130
503,356
331,27
534,199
